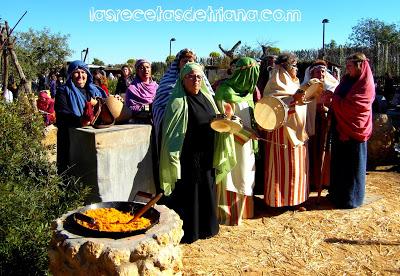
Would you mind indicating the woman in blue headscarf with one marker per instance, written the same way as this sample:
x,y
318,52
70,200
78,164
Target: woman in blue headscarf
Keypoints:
x,y
71,102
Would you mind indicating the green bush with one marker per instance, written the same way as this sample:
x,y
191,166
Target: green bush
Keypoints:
x,y
31,193
112,85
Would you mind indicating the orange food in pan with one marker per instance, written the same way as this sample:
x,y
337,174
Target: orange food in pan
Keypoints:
x,y
113,220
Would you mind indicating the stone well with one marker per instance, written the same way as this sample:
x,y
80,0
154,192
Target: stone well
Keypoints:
x,y
157,252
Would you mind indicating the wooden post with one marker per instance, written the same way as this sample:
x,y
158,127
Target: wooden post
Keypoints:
x,y
14,58
8,49
24,82
3,36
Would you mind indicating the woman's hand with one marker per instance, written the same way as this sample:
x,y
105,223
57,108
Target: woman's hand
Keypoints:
x,y
228,110
93,102
299,97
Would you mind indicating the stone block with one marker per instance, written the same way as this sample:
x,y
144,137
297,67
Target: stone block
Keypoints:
x,y
116,161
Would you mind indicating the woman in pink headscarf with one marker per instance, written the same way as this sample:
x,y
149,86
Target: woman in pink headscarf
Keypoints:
x,y
141,92
352,127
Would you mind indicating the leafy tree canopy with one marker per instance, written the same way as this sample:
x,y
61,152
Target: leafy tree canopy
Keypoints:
x,y
97,61
131,61
170,59
369,32
215,55
41,51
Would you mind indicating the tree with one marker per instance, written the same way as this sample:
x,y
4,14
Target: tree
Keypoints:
x,y
274,50
369,32
170,59
332,44
41,51
131,62
247,51
158,69
97,61
215,58
214,55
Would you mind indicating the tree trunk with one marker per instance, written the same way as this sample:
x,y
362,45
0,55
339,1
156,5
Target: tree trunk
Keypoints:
x,y
5,60
24,82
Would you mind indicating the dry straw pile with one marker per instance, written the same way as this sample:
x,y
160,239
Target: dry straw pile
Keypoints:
x,y
319,241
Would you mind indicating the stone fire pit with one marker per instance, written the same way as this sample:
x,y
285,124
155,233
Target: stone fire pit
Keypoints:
x,y
157,252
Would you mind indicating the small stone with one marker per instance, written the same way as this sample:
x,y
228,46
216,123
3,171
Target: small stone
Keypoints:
x,y
92,251
162,239
113,258
129,269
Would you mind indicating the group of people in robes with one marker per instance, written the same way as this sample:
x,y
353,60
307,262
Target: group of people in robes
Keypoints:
x,y
208,177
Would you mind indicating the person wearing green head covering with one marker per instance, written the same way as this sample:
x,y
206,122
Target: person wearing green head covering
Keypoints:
x,y
193,158
235,193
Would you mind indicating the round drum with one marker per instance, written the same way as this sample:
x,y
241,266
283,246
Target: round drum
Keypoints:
x,y
270,113
221,123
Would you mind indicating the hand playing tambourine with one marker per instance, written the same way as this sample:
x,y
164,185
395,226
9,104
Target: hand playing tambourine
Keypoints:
x,y
228,110
119,98
306,93
299,97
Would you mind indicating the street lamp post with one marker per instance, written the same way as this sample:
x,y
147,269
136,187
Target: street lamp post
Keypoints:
x,y
170,41
324,21
86,51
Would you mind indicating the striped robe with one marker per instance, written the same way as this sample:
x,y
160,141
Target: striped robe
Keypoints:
x,y
163,94
286,177
286,155
235,193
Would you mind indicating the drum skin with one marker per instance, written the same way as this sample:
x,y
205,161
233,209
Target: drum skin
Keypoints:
x,y
270,113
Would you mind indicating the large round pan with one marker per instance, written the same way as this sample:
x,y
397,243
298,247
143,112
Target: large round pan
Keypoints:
x,y
74,227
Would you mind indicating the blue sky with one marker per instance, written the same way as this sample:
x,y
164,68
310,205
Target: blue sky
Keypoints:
x,y
117,41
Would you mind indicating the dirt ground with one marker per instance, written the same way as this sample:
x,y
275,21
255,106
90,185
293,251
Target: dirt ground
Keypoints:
x,y
319,241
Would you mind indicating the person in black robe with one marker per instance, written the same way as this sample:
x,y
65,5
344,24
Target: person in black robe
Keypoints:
x,y
194,194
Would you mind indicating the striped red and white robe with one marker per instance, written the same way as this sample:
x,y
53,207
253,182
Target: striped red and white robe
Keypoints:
x,y
286,155
286,171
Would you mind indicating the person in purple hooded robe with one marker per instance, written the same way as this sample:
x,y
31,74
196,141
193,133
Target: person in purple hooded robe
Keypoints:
x,y
141,92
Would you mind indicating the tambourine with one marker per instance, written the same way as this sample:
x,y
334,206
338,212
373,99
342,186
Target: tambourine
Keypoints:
x,y
221,123
270,113
312,90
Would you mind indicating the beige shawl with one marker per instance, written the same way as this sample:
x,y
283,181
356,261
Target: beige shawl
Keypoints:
x,y
283,86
